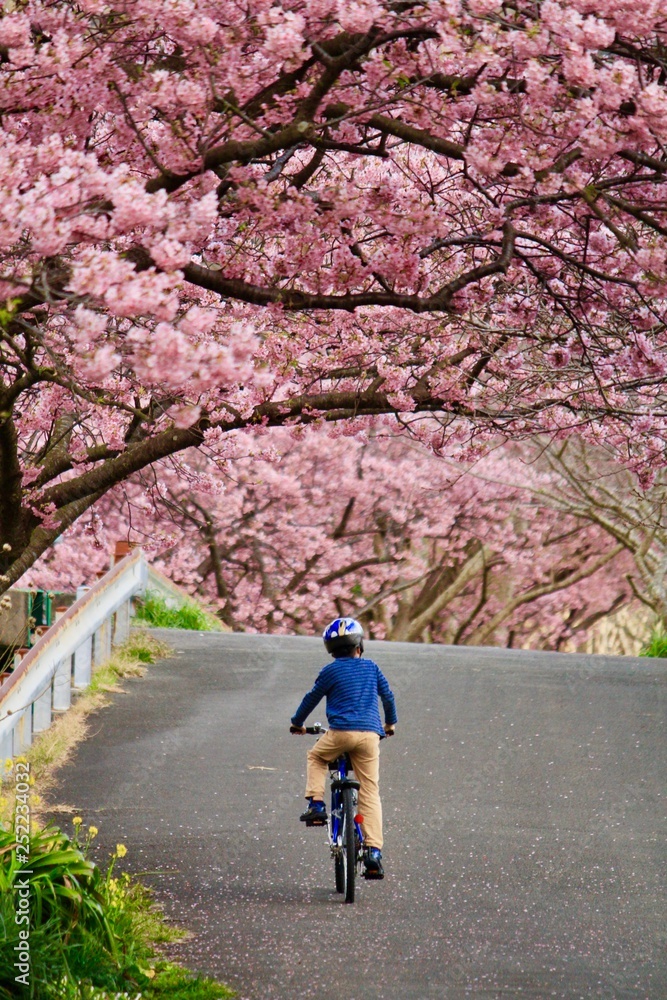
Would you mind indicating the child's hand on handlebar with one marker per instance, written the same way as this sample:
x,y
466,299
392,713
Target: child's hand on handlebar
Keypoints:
x,y
298,730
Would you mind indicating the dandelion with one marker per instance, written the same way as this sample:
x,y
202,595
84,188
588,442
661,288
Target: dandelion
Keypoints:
x,y
121,850
9,763
92,832
77,821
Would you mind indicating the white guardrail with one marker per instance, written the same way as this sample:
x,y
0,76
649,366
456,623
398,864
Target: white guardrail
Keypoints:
x,y
63,659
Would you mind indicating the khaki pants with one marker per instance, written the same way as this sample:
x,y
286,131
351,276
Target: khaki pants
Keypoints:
x,y
364,751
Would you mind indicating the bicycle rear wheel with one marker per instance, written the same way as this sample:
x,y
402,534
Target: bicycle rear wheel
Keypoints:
x,y
349,846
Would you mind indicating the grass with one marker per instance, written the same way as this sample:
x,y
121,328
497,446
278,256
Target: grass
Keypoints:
x,y
657,644
154,611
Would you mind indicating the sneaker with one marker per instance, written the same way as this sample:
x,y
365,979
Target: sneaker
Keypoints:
x,y
315,814
373,863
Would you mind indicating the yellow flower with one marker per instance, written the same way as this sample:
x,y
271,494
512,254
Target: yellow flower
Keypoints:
x,y
121,850
77,821
9,764
92,831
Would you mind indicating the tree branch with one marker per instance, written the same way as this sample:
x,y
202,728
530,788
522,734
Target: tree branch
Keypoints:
x,y
485,631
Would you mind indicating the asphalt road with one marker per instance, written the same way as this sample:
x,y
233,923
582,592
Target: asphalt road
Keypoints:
x,y
524,801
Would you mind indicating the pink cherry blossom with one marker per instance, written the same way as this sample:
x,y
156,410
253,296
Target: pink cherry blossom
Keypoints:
x,y
348,218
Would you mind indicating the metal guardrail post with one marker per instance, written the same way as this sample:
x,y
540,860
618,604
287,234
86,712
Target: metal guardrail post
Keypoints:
x,y
102,644
23,731
107,637
122,624
62,685
83,664
6,747
42,711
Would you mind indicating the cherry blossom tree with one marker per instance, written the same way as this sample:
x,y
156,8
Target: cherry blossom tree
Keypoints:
x,y
419,549
222,216
591,484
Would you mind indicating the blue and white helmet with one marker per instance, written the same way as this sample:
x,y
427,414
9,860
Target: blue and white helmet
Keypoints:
x,y
343,633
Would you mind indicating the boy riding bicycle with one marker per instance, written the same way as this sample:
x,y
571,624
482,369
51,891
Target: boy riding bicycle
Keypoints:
x,y
351,685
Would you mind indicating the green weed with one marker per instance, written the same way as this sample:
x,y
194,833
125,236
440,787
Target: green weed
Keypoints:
x,y
657,645
153,610
175,983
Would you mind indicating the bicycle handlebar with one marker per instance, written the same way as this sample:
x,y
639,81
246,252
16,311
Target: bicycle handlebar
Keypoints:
x,y
319,730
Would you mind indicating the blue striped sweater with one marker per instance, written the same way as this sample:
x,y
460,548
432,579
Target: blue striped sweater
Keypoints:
x,y
351,687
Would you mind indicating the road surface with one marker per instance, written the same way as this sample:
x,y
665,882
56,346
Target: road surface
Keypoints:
x,y
524,802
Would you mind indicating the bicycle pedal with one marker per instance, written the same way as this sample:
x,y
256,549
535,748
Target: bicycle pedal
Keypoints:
x,y
315,822
373,876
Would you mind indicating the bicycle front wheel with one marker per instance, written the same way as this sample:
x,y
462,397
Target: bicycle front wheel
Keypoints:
x,y
349,845
340,871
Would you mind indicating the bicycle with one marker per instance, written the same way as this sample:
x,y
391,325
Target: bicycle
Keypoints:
x,y
346,839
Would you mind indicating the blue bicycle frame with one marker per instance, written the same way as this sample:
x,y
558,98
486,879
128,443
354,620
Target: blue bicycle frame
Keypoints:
x,y
340,772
